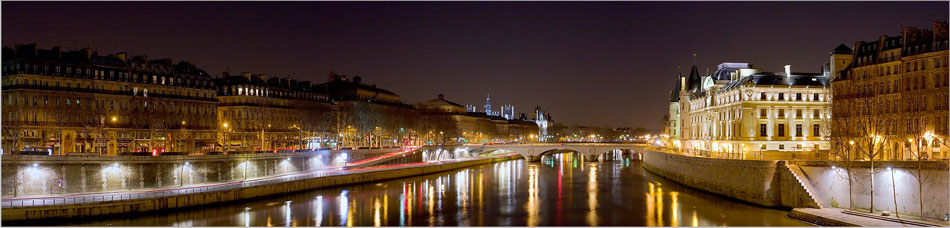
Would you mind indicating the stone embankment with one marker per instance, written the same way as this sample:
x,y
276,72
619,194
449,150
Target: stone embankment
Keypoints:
x,y
760,182
119,202
814,184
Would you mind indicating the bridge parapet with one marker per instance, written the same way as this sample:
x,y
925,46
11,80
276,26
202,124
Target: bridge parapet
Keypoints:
x,y
592,151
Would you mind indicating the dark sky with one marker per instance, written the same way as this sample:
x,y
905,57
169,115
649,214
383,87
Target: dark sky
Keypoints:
x,y
590,63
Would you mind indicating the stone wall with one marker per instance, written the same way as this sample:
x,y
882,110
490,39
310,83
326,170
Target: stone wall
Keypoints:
x,y
35,175
760,182
831,181
205,198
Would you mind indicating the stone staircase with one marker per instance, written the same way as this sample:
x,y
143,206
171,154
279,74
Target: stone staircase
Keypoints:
x,y
806,184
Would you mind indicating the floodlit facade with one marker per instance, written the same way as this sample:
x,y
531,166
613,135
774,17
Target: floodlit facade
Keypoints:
x,y
80,102
741,112
891,95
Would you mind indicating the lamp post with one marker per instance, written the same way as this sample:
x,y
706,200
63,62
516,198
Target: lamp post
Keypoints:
x,y
224,134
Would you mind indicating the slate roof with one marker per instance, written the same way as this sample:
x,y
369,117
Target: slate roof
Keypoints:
x,y
842,49
772,78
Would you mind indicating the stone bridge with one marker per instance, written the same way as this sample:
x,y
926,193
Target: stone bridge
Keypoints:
x,y
591,151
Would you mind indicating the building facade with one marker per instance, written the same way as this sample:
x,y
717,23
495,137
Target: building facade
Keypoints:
x,y
891,96
261,113
451,123
80,102
749,114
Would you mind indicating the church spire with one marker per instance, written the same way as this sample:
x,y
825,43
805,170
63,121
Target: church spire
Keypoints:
x,y
488,105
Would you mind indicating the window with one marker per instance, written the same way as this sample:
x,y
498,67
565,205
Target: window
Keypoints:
x,y
762,96
781,130
781,113
781,146
815,113
798,96
762,130
798,114
781,96
816,130
798,130
763,113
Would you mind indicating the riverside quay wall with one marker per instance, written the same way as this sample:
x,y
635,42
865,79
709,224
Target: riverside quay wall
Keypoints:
x,y
830,179
815,184
39,175
241,191
760,182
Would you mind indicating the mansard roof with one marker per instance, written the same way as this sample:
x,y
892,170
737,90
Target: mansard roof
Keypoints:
x,y
772,78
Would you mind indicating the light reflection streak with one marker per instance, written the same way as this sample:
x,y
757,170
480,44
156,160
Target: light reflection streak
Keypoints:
x,y
659,206
533,204
344,208
695,219
592,196
675,218
430,191
319,217
385,208
651,205
402,206
287,213
376,207
349,222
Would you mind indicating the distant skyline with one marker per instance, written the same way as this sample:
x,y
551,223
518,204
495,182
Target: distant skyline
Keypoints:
x,y
588,63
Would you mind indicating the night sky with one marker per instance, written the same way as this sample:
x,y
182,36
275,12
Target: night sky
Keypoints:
x,y
604,63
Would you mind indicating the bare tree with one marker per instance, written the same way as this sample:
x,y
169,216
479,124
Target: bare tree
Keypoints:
x,y
874,133
839,132
920,137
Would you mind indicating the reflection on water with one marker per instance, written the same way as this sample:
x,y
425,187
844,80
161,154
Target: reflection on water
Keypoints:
x,y
562,189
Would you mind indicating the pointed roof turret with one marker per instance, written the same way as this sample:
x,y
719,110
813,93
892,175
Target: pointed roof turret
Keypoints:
x,y
694,82
675,93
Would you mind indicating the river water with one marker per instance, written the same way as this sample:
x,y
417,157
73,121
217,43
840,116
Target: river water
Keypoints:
x,y
561,190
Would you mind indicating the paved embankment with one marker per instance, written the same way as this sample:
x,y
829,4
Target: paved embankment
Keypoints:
x,y
841,217
139,201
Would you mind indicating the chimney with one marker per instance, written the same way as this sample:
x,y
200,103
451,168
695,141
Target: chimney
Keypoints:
x,y
246,75
441,97
226,74
123,56
141,58
788,70
357,79
57,51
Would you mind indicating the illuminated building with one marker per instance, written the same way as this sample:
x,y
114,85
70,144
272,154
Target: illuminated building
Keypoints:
x,y
81,102
369,116
459,126
488,106
893,90
508,112
268,114
673,118
740,112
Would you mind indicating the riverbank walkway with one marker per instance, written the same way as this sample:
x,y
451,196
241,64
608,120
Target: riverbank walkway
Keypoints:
x,y
842,217
135,194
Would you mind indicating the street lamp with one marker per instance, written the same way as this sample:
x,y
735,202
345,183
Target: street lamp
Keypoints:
x,y
225,141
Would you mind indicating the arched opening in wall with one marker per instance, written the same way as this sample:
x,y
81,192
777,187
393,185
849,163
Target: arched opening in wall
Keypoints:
x,y
446,153
561,157
618,155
